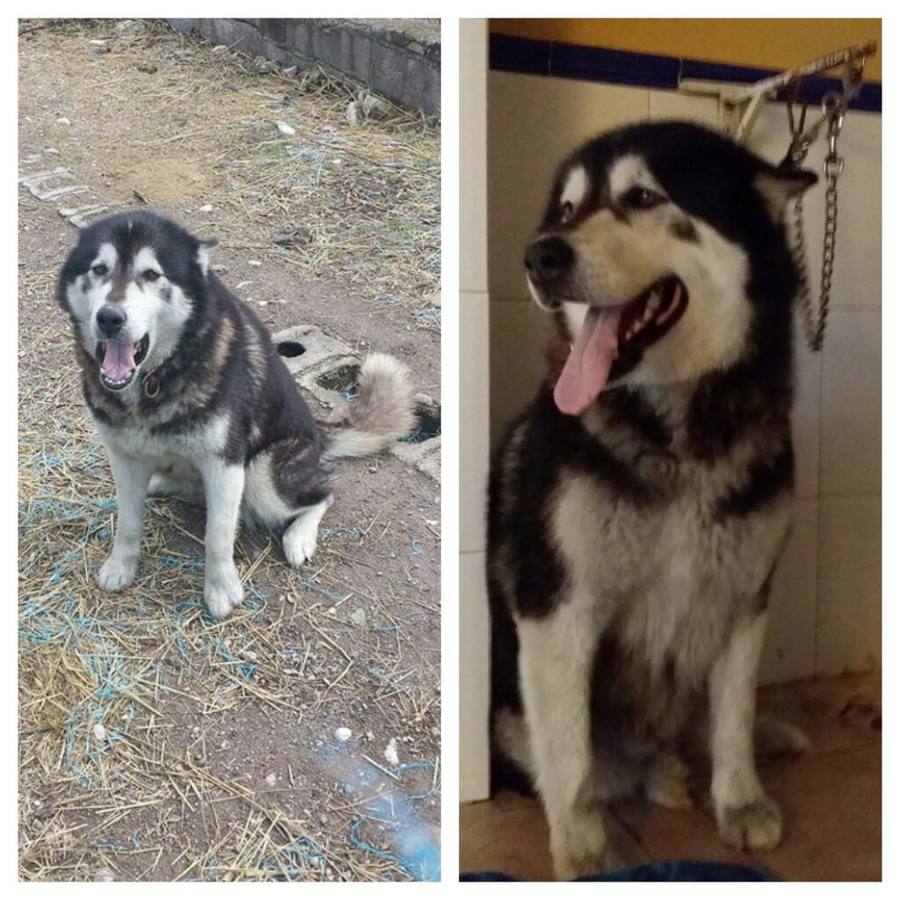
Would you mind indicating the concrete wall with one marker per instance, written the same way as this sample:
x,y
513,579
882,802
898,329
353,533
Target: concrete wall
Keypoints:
x,y
402,65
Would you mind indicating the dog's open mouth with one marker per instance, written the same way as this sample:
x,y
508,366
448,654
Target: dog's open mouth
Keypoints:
x,y
119,361
612,340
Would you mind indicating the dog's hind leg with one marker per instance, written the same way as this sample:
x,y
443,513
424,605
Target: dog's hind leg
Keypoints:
x,y
288,488
302,534
774,737
556,656
510,735
746,815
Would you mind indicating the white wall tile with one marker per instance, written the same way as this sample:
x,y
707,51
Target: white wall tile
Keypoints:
x,y
520,332
473,155
533,124
848,620
806,418
474,679
474,432
857,273
851,403
790,643
678,105
857,278
474,631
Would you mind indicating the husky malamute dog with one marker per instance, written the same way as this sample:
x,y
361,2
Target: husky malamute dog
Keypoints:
x,y
191,398
639,506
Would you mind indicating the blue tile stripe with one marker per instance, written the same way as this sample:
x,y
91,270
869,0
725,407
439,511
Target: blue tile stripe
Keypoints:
x,y
529,57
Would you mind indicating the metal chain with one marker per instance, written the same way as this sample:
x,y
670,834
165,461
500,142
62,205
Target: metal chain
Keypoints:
x,y
814,317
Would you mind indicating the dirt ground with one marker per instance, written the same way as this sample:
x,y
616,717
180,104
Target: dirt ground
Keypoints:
x,y
156,743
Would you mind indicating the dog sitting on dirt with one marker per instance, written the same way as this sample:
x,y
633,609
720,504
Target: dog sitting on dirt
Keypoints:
x,y
191,399
639,506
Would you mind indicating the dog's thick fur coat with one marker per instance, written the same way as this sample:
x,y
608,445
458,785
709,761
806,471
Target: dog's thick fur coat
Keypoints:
x,y
191,398
632,542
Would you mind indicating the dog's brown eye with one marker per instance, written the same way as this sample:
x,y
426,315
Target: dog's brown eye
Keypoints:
x,y
150,274
99,269
642,198
566,211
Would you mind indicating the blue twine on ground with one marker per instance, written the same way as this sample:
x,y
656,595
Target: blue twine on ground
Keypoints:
x,y
304,854
247,669
430,316
414,849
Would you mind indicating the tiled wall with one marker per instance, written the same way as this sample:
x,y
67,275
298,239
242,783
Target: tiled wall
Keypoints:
x,y
827,601
473,405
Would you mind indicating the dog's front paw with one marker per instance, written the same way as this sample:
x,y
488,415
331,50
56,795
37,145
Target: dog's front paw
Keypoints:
x,y
223,592
585,862
583,849
756,825
117,573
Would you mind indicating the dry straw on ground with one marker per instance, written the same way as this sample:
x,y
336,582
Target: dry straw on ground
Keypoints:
x,y
127,708
361,201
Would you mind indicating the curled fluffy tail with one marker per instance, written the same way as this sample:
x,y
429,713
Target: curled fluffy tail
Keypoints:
x,y
383,412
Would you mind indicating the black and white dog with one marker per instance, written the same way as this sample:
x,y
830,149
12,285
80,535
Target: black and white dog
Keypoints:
x,y
191,398
639,506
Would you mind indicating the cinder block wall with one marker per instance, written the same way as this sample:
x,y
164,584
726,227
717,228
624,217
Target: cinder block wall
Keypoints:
x,y
401,64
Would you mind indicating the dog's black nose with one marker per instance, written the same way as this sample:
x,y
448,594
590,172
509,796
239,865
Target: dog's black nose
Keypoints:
x,y
110,319
549,258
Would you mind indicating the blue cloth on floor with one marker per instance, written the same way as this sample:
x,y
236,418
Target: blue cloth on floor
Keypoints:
x,y
660,871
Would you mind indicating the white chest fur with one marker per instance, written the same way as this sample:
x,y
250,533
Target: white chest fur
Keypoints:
x,y
138,440
672,574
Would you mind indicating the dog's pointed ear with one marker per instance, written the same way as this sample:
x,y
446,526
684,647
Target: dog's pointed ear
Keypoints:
x,y
204,254
779,185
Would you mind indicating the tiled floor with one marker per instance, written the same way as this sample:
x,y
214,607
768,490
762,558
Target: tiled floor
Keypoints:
x,y
831,799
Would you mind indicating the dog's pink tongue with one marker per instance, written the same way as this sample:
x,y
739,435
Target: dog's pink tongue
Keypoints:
x,y
587,368
118,360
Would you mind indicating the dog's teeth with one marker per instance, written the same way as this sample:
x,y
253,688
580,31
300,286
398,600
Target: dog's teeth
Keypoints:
x,y
653,302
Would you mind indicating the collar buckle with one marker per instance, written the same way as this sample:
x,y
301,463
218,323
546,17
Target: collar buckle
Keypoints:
x,y
151,384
